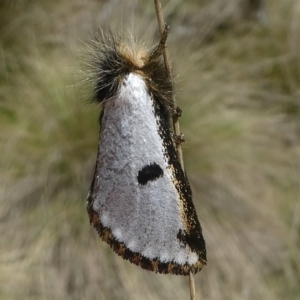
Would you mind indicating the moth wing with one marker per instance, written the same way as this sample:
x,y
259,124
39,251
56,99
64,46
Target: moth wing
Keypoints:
x,y
134,202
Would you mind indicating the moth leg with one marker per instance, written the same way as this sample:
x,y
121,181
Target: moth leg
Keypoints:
x,y
158,51
177,112
178,138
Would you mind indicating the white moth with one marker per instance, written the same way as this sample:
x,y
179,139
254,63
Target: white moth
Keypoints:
x,y
140,201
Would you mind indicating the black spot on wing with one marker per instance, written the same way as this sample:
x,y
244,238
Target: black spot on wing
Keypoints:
x,y
149,172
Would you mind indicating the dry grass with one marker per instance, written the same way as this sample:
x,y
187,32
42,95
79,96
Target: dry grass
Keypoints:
x,y
238,85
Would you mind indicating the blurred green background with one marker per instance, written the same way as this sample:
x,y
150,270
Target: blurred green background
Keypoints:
x,y
237,82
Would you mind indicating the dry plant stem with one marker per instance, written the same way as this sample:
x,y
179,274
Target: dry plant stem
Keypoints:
x,y
192,286
161,25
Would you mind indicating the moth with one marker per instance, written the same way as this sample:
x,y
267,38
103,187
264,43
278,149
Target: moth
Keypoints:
x,y
140,200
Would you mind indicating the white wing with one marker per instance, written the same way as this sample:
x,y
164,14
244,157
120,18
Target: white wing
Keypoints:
x,y
137,201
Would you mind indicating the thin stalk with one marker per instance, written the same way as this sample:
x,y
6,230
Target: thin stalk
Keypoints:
x,y
176,127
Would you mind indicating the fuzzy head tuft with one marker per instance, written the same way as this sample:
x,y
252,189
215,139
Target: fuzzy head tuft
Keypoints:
x,y
115,57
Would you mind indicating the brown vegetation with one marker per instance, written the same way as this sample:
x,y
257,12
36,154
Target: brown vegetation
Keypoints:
x,y
238,85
